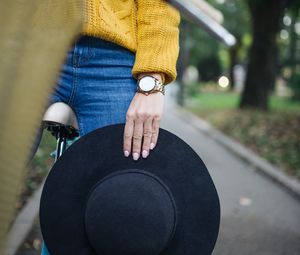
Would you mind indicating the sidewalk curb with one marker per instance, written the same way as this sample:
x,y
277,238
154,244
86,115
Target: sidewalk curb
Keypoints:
x,y
23,223
274,173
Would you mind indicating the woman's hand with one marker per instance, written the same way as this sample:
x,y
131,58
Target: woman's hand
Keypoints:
x,y
142,123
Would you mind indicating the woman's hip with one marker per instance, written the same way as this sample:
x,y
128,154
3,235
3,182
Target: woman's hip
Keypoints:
x,y
96,81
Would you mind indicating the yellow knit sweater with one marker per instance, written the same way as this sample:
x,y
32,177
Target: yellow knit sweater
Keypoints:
x,y
149,28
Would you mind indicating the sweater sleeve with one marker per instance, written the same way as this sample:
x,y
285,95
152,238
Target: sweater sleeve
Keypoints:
x,y
157,39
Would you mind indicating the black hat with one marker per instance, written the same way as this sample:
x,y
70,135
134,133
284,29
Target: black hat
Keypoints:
x,y
96,201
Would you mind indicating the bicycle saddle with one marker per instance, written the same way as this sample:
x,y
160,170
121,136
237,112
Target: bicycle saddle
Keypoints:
x,y
61,121
62,114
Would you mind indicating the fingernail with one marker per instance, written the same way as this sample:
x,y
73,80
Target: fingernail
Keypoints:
x,y
151,146
126,153
135,156
145,154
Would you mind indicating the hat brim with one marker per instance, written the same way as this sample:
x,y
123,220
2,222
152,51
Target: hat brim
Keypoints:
x,y
100,153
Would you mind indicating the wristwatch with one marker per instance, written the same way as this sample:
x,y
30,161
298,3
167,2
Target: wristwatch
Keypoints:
x,y
149,84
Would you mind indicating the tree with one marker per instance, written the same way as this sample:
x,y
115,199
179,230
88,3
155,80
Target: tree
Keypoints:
x,y
196,47
262,67
290,52
184,58
294,10
236,20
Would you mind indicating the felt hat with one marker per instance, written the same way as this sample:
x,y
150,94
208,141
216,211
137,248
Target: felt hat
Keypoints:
x,y
96,201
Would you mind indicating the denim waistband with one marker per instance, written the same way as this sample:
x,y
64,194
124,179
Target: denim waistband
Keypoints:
x,y
93,50
96,42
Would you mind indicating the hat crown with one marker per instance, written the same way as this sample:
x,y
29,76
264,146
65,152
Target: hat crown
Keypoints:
x,y
130,212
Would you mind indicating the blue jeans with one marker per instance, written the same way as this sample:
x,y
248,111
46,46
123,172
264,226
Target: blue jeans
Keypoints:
x,y
96,81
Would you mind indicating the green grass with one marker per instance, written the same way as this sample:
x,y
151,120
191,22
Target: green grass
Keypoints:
x,y
280,103
217,100
230,100
274,135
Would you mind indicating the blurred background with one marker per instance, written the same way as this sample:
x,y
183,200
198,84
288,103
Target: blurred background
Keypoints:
x,y
249,92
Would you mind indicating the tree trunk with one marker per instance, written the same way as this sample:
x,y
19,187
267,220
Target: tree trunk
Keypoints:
x,y
261,74
233,54
183,60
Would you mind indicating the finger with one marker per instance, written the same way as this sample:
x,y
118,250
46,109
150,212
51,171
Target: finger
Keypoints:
x,y
147,136
155,131
128,133
137,138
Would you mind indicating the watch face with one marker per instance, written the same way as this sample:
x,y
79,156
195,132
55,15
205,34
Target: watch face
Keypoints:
x,y
147,83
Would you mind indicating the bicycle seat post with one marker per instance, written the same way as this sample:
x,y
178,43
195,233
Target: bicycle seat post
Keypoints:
x,y
61,121
61,145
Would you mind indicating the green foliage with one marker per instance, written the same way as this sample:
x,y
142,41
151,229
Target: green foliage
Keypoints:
x,y
193,89
224,58
38,167
236,16
205,52
294,84
210,68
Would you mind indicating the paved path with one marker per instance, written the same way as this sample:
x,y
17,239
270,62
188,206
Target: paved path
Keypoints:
x,y
258,216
